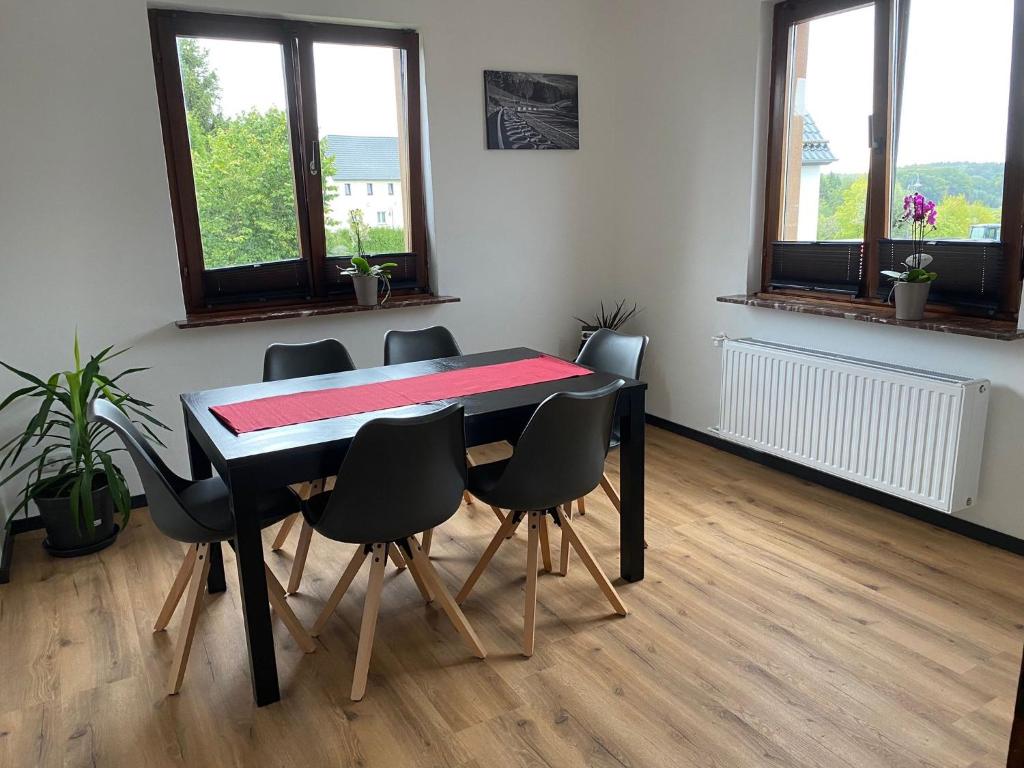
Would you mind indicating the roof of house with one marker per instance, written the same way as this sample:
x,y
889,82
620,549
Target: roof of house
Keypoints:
x,y
364,158
816,149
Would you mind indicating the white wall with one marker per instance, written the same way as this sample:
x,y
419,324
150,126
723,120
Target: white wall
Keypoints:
x,y
703,66
87,237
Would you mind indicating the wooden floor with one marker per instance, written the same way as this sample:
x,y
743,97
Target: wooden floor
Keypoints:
x,y
780,624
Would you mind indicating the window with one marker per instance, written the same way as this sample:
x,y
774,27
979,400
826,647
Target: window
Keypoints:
x,y
264,121
369,189
866,107
382,217
391,188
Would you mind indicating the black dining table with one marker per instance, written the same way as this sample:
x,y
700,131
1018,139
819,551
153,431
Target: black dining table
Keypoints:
x,y
254,462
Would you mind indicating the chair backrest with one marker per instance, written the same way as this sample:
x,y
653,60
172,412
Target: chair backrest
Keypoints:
x,y
560,455
615,353
424,344
161,485
400,476
293,361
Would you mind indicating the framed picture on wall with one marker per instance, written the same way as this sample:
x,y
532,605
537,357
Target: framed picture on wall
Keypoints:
x,y
528,110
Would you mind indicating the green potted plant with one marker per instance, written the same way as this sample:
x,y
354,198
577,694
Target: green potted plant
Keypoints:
x,y
59,456
366,277
912,285
612,319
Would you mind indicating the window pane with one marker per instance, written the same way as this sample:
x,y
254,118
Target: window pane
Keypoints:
x,y
363,147
951,134
237,116
829,99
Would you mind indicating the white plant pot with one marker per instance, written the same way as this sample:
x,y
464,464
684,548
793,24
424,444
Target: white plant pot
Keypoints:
x,y
911,299
367,290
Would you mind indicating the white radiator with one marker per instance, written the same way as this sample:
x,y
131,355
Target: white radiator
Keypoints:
x,y
914,434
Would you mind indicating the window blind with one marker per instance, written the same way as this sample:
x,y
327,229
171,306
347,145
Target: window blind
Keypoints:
x,y
970,272
833,267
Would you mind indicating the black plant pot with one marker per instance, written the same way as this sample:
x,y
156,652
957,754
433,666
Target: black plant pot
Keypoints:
x,y
64,537
586,331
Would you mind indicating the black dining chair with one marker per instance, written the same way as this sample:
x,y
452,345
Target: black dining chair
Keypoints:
x,y
431,343
197,513
293,361
424,344
559,457
382,513
620,355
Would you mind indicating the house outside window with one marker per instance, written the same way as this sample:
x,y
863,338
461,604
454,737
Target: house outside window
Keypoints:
x,y
391,188
348,190
369,189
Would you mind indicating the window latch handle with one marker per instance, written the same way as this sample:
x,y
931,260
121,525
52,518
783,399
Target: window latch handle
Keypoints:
x,y
874,136
314,168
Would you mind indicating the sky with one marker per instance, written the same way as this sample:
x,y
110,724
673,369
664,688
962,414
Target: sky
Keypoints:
x,y
355,84
957,82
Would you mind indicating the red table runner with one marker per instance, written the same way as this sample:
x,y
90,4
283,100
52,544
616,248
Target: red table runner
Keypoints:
x,y
302,407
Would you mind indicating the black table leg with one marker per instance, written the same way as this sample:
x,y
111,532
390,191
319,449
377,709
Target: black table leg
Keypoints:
x,y
252,584
201,469
631,491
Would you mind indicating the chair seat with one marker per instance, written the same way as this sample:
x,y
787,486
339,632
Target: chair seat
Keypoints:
x,y
485,483
208,502
483,478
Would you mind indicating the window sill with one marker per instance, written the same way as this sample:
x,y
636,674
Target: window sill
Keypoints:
x,y
234,317
999,330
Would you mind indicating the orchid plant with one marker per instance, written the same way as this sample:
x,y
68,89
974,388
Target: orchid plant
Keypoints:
x,y
920,214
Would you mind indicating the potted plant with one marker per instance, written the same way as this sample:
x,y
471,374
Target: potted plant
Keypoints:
x,y
58,455
366,278
611,319
912,285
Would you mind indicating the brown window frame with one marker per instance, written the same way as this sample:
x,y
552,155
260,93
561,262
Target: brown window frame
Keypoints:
x,y
889,18
312,282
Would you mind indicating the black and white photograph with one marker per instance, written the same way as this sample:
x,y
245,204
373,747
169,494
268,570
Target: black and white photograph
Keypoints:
x,y
528,110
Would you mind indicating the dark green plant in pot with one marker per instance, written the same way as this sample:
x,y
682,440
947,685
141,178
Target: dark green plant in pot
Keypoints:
x,y
59,455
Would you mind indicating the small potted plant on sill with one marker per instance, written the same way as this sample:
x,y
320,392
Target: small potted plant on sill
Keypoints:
x,y
911,286
73,481
366,277
611,319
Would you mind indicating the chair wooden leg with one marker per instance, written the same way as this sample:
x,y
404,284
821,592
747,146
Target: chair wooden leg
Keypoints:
x,y
369,624
465,494
606,484
545,544
581,502
299,563
506,529
422,585
428,538
193,605
286,528
397,558
498,514
563,555
177,589
593,567
420,562
530,608
291,622
304,491
339,591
